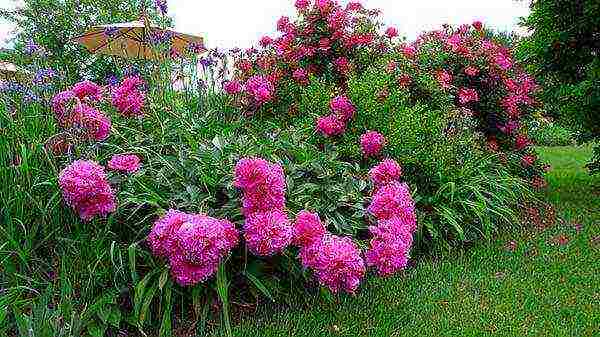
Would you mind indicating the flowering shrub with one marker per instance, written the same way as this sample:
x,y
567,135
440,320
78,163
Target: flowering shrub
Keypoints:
x,y
327,40
86,189
487,83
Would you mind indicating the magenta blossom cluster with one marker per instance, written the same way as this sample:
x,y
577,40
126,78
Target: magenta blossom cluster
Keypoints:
x,y
324,40
394,209
260,89
385,172
268,233
335,124
372,143
308,229
128,163
232,87
61,105
73,110
336,262
86,189
87,90
267,229
488,84
128,97
95,124
194,244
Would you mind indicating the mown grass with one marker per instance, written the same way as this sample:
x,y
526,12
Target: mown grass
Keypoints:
x,y
539,282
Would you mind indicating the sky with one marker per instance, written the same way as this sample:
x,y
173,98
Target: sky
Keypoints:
x,y
241,23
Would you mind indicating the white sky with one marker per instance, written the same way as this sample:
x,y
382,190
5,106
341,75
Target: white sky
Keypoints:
x,y
240,23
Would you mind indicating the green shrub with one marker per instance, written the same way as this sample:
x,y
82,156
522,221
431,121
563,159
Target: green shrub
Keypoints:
x,y
562,52
547,133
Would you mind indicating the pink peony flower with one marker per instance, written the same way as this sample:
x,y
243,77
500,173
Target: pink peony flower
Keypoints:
x,y
444,78
539,183
85,188
244,65
61,110
330,125
478,25
263,185
95,123
354,6
128,98
472,71
266,41
324,5
342,107
390,246
260,89
200,244
391,200
466,95
267,233
124,162
385,172
336,262
409,52
300,76
528,160
503,61
302,5
391,66
308,228
372,142
455,42
162,236
521,142
87,89
232,87
343,65
391,32
404,80
283,24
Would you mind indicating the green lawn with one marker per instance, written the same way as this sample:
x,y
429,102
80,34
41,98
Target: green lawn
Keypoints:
x,y
535,283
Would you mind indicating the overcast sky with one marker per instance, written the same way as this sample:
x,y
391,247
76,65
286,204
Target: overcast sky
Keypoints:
x,y
231,23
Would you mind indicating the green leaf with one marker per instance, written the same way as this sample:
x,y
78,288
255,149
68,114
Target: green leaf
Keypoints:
x,y
96,330
165,326
144,311
140,290
114,316
163,278
259,285
131,253
222,291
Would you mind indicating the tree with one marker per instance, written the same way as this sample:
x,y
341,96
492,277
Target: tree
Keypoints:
x,y
46,29
563,51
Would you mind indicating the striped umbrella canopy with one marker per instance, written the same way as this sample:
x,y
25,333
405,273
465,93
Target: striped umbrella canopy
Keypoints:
x,y
140,39
11,71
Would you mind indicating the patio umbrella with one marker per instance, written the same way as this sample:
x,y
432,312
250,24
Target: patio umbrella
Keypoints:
x,y
139,39
11,71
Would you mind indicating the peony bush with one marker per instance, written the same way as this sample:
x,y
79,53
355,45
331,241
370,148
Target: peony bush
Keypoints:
x,y
335,152
486,82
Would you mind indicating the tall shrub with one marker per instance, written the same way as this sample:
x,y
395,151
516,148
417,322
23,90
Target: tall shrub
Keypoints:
x,y
563,51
